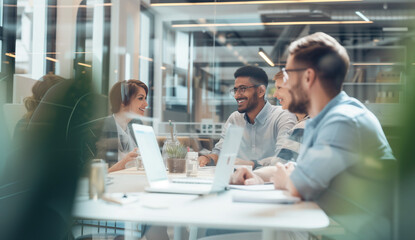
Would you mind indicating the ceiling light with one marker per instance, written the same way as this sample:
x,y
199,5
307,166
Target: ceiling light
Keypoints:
x,y
43,53
268,24
221,38
395,29
10,55
52,59
245,3
146,58
264,56
362,16
84,64
375,64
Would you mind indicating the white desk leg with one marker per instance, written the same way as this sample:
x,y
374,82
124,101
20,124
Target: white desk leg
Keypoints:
x,y
192,233
269,234
130,229
177,233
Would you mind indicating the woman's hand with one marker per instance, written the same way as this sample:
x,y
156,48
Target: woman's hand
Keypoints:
x,y
131,156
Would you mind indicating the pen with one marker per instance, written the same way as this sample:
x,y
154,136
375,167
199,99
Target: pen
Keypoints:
x,y
110,199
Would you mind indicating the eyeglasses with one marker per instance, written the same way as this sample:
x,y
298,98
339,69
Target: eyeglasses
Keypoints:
x,y
240,89
286,71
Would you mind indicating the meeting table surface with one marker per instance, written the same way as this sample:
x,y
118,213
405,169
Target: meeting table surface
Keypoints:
x,y
126,187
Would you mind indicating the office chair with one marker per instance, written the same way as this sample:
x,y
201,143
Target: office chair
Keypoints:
x,y
49,167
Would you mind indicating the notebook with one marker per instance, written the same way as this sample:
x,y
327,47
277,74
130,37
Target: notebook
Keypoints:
x,y
156,170
275,196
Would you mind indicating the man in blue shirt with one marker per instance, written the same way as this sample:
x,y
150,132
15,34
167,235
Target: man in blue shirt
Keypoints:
x,y
265,125
345,161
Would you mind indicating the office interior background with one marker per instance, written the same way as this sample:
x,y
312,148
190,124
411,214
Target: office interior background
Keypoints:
x,y
187,52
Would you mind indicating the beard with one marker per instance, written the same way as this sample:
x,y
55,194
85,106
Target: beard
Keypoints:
x,y
299,101
251,105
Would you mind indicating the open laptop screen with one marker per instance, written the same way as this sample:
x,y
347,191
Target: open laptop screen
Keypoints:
x,y
150,153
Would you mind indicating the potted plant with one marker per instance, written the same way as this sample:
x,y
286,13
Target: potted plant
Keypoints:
x,y
176,153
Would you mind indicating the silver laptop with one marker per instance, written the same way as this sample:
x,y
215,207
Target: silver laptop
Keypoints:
x,y
156,171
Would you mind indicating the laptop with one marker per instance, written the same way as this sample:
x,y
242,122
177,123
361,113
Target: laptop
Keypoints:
x,y
156,170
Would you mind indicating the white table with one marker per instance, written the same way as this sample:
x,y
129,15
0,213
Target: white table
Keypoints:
x,y
212,211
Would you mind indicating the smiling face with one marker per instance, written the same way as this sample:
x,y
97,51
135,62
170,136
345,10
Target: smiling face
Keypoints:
x,y
300,100
281,93
138,103
248,100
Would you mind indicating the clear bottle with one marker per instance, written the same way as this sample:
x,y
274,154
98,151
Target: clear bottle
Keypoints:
x,y
383,98
192,164
377,97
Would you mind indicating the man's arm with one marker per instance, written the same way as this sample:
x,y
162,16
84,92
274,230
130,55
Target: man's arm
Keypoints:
x,y
239,161
208,160
337,146
283,125
212,157
243,176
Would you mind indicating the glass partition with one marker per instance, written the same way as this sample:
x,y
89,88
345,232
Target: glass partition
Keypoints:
x,y
205,42
186,52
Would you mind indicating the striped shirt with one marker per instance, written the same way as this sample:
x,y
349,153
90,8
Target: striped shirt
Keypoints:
x,y
290,145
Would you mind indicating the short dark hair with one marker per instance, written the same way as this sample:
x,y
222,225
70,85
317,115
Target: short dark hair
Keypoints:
x,y
326,56
122,93
258,75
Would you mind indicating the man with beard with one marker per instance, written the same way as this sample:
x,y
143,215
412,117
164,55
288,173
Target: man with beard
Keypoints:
x,y
345,163
265,125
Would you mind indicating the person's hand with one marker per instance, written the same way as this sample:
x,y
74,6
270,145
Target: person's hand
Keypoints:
x,y
243,176
127,158
203,161
290,166
282,179
282,175
266,173
131,156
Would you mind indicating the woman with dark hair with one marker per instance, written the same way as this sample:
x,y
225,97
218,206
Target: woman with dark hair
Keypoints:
x,y
39,90
128,100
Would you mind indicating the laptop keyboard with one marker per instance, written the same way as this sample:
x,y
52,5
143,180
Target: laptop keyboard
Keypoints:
x,y
192,180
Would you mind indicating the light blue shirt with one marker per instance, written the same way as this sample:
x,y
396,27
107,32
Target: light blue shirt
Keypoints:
x,y
344,136
262,139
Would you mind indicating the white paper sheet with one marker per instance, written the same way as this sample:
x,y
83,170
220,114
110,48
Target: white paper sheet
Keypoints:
x,y
262,187
276,196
